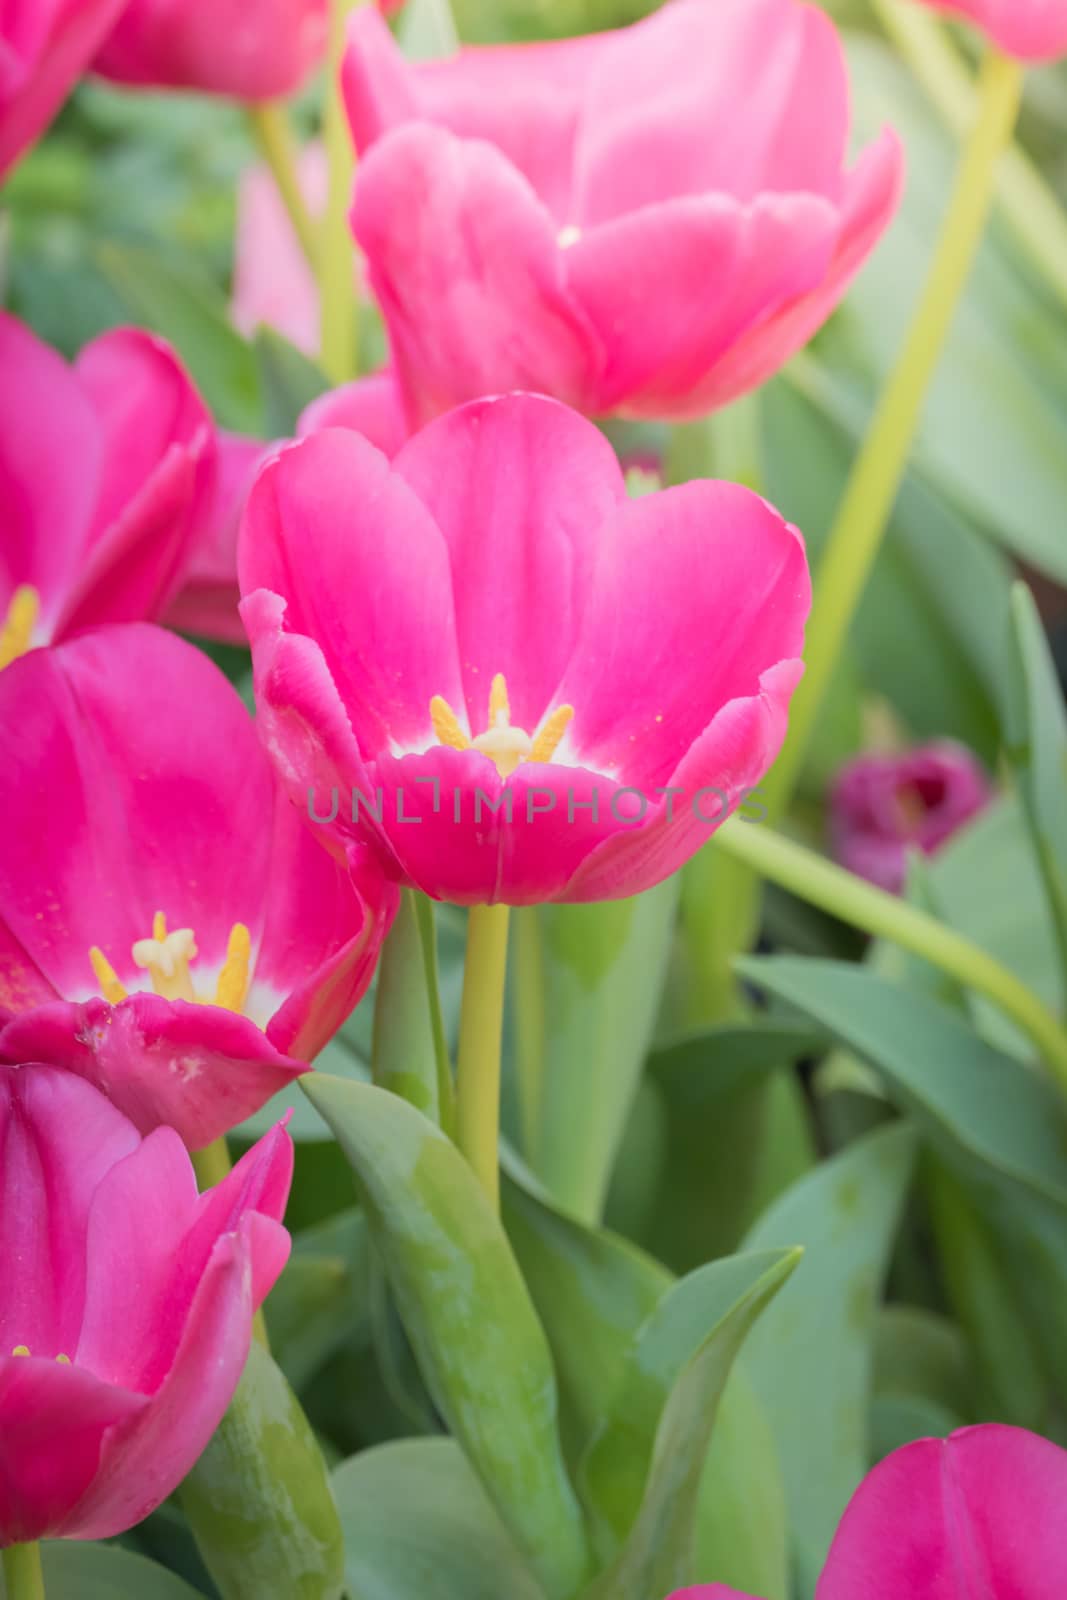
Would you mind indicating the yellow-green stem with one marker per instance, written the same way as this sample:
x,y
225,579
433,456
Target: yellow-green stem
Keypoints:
x,y
814,879
338,303
1028,202
212,1165
481,1025
872,489
269,122
22,1572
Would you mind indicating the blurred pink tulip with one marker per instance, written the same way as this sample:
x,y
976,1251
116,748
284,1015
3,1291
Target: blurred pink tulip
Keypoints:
x,y
44,46
977,1514
171,928
647,222
106,469
559,691
126,1303
882,806
228,47
273,283
1033,30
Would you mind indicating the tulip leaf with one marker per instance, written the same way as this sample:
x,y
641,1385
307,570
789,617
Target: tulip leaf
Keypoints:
x,y
191,315
810,1357
408,1054
75,1571
428,30
1036,748
259,1500
587,1016
289,381
419,1526
643,1472
318,1304
475,1333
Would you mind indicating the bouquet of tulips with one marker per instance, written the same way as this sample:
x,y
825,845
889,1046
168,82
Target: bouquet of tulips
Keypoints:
x,y
533,875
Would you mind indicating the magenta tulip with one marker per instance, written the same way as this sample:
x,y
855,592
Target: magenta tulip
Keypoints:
x,y
44,46
170,927
512,681
647,222
105,472
273,281
126,1303
978,1514
227,47
1033,30
882,806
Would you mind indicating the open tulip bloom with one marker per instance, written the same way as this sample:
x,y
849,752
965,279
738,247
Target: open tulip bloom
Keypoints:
x,y
647,222
170,927
977,1515
1033,30
106,470
126,1304
511,680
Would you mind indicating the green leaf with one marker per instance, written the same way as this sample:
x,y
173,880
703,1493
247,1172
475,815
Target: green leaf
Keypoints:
x,y
602,969
259,1500
1036,749
427,30
318,1303
479,1344
192,317
742,1536
289,381
74,1571
643,1473
810,1357
419,1526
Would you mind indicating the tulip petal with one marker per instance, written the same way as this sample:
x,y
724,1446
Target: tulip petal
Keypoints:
x,y
364,571
208,599
1033,30
731,576
33,95
457,239
371,406
58,1137
550,479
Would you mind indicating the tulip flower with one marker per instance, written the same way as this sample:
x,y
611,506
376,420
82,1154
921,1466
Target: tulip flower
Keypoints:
x,y
105,471
44,45
979,1513
512,681
224,47
170,927
647,222
273,282
882,806
1033,30
126,1304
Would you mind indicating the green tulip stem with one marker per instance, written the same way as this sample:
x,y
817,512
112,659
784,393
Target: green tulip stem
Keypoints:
x,y
22,1572
856,535
269,122
338,302
818,881
481,1026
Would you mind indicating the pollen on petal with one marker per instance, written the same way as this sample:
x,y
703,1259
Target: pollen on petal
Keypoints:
x,y
446,725
16,633
62,1360
21,1350
546,741
232,986
106,976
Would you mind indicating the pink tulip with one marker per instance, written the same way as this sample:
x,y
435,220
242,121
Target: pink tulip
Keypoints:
x,y
44,45
105,470
1033,30
126,1304
227,47
882,806
171,929
559,691
273,281
647,222
978,1514
208,602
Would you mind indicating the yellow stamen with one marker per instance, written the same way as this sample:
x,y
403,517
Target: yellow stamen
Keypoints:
x,y
499,704
233,979
446,725
21,1350
546,743
159,927
16,635
106,976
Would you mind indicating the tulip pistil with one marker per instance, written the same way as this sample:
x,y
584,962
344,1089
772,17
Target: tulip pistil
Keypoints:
x,y
505,745
166,957
16,632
